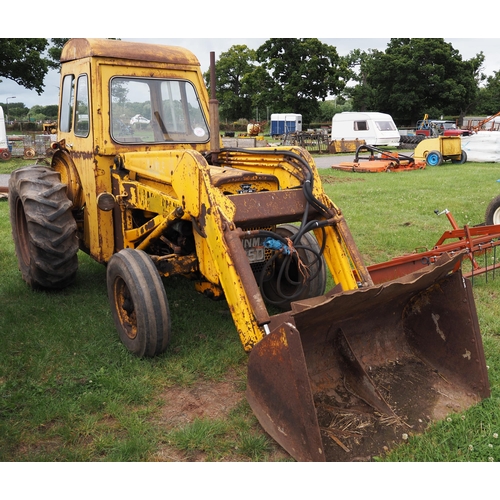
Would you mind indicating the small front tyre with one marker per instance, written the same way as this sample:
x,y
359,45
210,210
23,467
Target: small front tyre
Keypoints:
x,y
138,302
434,158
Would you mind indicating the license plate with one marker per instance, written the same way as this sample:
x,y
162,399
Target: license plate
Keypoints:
x,y
254,248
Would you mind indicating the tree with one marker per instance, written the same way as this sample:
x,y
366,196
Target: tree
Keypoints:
x,y
26,61
415,76
331,107
362,95
230,70
21,60
17,111
489,96
257,84
38,112
55,52
302,71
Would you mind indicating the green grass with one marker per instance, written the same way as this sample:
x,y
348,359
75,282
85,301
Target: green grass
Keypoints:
x,y
69,390
394,212
7,167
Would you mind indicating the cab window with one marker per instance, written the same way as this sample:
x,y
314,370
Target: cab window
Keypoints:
x,y
82,114
66,113
156,111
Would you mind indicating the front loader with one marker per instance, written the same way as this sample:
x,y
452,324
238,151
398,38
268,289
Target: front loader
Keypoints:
x,y
140,182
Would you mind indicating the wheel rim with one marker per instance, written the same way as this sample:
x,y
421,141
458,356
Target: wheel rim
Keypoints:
x,y
125,307
432,159
496,216
23,233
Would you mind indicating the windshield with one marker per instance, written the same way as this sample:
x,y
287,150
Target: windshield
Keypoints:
x,y
156,111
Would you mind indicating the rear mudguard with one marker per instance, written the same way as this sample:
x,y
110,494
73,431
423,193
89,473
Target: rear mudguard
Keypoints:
x,y
348,377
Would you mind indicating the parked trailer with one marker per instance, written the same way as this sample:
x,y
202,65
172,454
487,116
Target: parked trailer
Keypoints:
x,y
285,123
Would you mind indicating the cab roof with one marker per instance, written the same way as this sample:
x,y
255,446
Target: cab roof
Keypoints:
x,y
80,48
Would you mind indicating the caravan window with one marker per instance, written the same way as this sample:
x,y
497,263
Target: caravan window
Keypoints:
x,y
361,125
385,126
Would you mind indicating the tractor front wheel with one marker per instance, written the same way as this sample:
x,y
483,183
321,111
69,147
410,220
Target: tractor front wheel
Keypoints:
x,y
138,302
298,276
434,158
43,228
492,215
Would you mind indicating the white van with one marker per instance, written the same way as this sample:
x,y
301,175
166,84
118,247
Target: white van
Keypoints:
x,y
376,129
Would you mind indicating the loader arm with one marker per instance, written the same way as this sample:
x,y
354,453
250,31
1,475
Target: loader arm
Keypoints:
x,y
189,191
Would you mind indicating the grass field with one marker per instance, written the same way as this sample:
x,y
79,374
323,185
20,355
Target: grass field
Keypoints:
x,y
70,392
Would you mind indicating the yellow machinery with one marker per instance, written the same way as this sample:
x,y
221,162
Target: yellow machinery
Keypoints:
x,y
140,182
439,149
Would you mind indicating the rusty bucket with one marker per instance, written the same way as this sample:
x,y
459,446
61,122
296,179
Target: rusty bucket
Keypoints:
x,y
351,376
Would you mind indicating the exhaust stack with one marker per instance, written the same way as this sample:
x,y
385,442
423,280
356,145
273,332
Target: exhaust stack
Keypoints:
x,y
214,113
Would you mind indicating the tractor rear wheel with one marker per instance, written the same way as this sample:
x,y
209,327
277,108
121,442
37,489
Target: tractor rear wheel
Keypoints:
x,y
295,277
138,302
43,228
492,215
434,158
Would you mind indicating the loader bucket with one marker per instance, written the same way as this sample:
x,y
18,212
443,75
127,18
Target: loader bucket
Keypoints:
x,y
348,378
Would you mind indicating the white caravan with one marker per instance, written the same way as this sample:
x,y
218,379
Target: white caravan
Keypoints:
x,y
376,129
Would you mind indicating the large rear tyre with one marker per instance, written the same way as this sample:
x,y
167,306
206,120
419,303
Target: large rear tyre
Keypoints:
x,y
43,228
138,302
287,282
492,215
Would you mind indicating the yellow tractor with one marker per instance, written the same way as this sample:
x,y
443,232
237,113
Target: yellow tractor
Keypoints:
x,y
333,376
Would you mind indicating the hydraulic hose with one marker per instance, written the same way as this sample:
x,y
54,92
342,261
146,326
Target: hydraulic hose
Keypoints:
x,y
289,258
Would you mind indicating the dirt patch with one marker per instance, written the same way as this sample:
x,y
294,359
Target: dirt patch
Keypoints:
x,y
205,400
182,405
211,400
